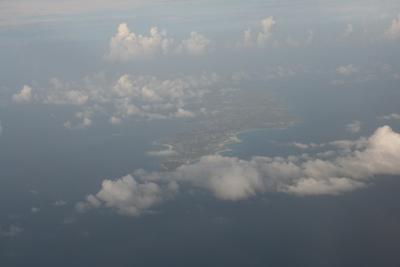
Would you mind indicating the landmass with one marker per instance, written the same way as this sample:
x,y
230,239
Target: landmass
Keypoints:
x,y
225,115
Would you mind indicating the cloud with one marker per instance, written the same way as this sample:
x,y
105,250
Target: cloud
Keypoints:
x,y
227,178
393,32
61,93
169,151
115,120
261,38
59,203
127,45
392,116
348,31
84,119
355,165
128,96
126,195
267,26
330,186
11,231
23,96
354,127
347,70
196,44
35,210
305,146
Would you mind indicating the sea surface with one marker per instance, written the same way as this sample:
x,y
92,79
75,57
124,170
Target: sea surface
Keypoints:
x,y
361,228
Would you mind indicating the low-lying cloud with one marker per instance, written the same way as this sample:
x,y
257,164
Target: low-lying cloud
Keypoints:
x,y
349,165
129,96
261,38
127,45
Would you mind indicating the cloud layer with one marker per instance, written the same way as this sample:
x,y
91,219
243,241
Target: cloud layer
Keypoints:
x,y
145,97
348,166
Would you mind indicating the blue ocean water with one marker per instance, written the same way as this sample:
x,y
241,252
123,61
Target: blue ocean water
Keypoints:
x,y
193,229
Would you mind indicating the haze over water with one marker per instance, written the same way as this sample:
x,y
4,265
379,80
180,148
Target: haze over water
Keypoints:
x,y
117,122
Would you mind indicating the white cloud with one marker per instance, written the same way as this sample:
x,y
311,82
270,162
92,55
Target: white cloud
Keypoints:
x,y
393,32
196,44
127,45
300,145
227,178
354,127
84,119
261,38
330,186
129,96
23,96
347,70
61,93
267,26
233,179
169,151
182,113
126,195
248,38
305,146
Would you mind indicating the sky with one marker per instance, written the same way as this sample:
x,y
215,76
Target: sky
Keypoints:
x,y
297,101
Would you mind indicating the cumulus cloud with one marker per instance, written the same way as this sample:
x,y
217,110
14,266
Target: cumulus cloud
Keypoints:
x,y
127,45
23,96
393,32
267,26
347,70
126,195
354,127
60,93
353,167
128,96
227,178
261,38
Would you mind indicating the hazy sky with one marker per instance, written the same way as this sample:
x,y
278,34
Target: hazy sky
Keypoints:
x,y
89,88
